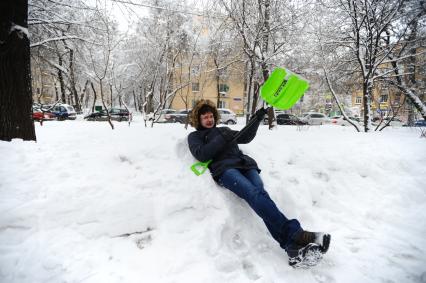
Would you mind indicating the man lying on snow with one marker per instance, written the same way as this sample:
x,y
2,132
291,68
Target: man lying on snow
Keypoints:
x,y
239,173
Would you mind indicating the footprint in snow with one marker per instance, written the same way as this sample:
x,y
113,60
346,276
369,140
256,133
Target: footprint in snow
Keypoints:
x,y
322,175
322,277
124,159
275,174
141,243
250,270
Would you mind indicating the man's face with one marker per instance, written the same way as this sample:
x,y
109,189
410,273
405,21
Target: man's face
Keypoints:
x,y
207,120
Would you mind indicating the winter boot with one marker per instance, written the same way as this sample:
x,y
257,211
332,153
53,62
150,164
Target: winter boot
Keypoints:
x,y
304,257
307,248
304,238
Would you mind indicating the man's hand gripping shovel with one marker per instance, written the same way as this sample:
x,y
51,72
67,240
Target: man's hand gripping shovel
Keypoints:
x,y
281,90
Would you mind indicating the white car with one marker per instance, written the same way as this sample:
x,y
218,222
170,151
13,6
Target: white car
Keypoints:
x,y
227,116
314,118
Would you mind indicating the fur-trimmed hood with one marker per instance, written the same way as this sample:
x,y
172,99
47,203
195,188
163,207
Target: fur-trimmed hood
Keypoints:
x,y
194,119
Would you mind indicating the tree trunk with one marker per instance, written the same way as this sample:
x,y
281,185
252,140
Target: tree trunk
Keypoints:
x,y
217,77
77,102
265,51
94,96
103,103
135,101
255,97
249,87
367,91
56,92
411,68
110,91
83,93
61,79
15,72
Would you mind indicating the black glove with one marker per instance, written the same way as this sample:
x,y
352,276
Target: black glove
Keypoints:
x,y
226,133
260,114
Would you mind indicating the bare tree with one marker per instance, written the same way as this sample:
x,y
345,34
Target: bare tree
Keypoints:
x,y
370,33
264,28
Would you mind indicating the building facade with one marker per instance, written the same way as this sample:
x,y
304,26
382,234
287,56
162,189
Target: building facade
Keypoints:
x,y
203,81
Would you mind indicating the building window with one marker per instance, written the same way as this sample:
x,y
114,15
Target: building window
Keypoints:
x,y
195,70
195,86
383,98
223,88
222,104
358,100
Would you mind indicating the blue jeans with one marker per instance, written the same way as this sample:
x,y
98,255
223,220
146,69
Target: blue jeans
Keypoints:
x,y
248,185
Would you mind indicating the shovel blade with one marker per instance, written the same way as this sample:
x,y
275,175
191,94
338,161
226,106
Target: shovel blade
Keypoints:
x,y
283,89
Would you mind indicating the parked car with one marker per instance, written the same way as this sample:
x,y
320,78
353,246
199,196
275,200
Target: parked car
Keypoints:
x,y
277,112
313,118
420,123
180,116
41,115
117,114
341,120
164,116
227,116
64,111
289,119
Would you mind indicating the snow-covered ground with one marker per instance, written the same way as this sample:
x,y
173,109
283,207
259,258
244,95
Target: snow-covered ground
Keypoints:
x,y
88,204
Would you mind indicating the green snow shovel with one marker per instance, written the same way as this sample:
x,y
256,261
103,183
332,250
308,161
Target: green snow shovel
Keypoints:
x,y
281,90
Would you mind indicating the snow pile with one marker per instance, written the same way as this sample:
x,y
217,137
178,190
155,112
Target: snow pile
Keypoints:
x,y
88,204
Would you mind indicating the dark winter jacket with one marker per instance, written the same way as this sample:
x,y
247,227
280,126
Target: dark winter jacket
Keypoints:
x,y
206,144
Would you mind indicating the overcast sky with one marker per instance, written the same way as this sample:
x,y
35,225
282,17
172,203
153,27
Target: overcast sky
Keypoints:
x,y
127,14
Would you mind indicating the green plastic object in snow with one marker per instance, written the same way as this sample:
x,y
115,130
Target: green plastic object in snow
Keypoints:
x,y
200,167
283,89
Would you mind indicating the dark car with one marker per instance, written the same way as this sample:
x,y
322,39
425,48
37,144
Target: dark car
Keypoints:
x,y
289,119
120,114
96,116
420,123
179,117
117,114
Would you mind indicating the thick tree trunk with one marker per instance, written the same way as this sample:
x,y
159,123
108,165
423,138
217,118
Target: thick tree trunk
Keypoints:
x,y
15,72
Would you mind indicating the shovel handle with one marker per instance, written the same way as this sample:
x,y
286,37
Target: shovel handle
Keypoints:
x,y
200,167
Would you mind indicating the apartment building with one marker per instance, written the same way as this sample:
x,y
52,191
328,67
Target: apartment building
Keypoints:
x,y
224,87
